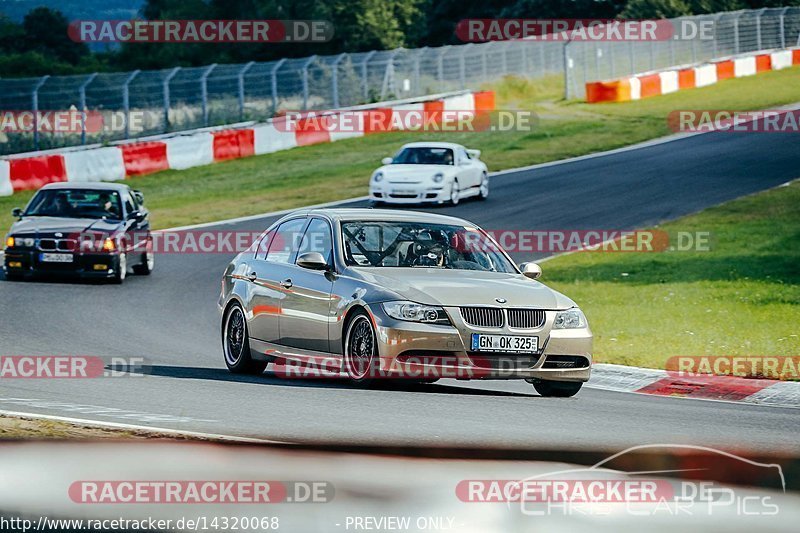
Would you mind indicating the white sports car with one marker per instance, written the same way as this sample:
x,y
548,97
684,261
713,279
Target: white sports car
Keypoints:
x,y
430,172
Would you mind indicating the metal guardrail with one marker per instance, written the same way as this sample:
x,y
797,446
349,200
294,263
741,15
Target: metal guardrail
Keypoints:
x,y
178,99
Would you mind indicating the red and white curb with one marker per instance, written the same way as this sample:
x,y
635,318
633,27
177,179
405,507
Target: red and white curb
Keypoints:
x,y
621,378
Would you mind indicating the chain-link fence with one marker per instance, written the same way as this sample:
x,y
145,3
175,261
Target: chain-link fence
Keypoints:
x,y
142,103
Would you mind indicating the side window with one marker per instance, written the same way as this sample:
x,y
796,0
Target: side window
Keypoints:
x,y
463,155
318,239
284,242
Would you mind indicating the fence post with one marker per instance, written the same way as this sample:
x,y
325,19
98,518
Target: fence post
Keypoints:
x,y
565,61
440,63
35,107
484,59
758,27
416,69
204,91
126,104
274,82
165,86
240,76
82,104
364,73
335,79
782,19
305,80
462,70
736,34
631,57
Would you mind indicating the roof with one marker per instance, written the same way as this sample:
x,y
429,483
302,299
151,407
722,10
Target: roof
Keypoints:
x,y
367,214
432,144
89,186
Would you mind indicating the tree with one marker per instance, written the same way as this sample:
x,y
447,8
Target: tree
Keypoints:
x,y
46,33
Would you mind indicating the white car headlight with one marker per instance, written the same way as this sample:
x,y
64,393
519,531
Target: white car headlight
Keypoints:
x,y
438,177
414,312
378,176
569,319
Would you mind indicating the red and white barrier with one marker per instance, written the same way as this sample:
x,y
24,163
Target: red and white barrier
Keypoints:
x,y
670,80
203,148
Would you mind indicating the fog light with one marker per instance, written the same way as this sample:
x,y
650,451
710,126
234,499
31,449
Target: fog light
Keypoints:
x,y
101,267
108,245
14,264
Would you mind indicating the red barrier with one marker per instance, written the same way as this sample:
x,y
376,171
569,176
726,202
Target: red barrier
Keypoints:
x,y
233,144
608,91
378,120
686,79
795,57
763,63
311,131
725,70
434,109
144,158
31,173
484,101
651,85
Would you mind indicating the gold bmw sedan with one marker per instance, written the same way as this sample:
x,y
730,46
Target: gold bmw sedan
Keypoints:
x,y
373,293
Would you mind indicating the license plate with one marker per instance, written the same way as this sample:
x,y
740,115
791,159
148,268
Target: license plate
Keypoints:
x,y
56,258
504,343
401,191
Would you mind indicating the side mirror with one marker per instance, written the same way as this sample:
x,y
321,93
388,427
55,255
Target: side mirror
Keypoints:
x,y
16,212
386,161
531,270
139,197
138,216
312,261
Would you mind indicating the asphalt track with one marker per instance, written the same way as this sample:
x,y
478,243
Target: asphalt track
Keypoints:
x,y
171,319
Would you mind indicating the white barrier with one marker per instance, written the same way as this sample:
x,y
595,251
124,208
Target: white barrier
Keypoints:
x,y
5,179
705,75
187,151
744,66
403,109
782,59
461,102
669,81
267,139
101,164
351,125
636,89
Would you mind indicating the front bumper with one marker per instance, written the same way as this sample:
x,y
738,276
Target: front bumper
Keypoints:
x,y
426,351
28,262
399,194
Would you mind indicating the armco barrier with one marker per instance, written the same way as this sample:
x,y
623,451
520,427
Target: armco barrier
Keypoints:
x,y
187,151
102,164
666,81
192,149
36,172
5,179
144,158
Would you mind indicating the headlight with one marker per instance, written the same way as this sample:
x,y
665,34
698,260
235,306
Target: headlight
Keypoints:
x,y
20,241
414,312
378,176
10,242
438,177
569,319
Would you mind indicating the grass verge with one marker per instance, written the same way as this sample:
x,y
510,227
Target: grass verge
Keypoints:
x,y
740,298
326,172
13,427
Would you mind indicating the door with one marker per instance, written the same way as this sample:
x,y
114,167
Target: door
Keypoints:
x,y
468,170
306,304
266,271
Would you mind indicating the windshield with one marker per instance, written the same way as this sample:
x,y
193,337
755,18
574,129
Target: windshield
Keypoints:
x,y
424,156
410,244
75,203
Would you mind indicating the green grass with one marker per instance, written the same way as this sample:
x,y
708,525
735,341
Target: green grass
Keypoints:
x,y
340,170
740,298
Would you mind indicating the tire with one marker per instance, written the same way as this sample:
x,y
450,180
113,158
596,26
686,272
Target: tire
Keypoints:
x,y
148,261
557,389
427,381
236,344
484,187
360,349
122,269
455,193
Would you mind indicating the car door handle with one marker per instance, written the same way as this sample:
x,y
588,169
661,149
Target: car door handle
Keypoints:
x,y
252,276
287,283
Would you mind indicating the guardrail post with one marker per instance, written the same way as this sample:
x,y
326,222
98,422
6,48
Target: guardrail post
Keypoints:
x,y
165,91
240,76
126,105
274,82
335,79
364,73
35,108
204,91
82,104
305,80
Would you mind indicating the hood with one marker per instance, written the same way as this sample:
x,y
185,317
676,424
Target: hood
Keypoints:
x,y
413,173
49,225
443,287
